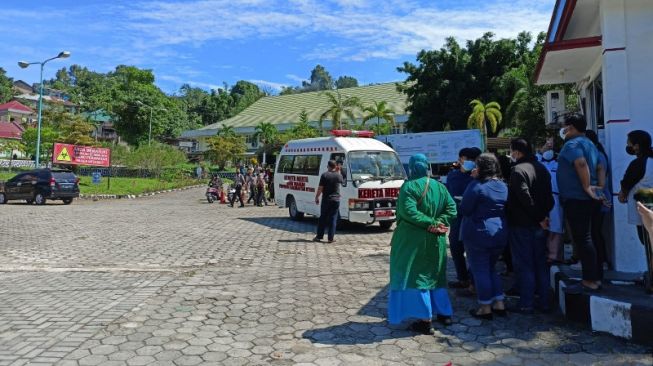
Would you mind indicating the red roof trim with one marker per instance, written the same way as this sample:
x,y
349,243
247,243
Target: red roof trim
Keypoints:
x,y
567,13
568,44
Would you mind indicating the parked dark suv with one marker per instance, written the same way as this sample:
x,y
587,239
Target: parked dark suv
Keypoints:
x,y
40,185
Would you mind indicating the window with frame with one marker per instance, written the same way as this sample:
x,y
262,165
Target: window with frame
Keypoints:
x,y
307,164
285,164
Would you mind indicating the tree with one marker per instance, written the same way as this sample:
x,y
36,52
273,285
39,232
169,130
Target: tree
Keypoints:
x,y
346,82
244,94
320,80
380,111
9,146
266,133
223,149
339,105
48,137
482,114
440,86
77,132
227,131
6,87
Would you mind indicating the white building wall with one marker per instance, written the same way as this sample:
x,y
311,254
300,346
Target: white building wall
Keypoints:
x,y
627,31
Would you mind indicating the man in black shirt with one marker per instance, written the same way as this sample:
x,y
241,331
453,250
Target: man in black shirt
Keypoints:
x,y
530,199
329,188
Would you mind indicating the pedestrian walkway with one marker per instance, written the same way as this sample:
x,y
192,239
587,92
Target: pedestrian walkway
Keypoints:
x,y
173,280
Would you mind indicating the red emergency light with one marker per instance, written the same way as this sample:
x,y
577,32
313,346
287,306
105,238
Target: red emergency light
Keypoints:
x,y
352,133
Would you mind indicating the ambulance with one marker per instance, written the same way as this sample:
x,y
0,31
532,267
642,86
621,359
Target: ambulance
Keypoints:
x,y
372,172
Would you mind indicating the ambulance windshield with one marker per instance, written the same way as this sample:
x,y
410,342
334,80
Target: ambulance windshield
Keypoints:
x,y
375,165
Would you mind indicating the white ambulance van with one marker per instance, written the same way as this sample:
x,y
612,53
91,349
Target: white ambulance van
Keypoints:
x,y
372,172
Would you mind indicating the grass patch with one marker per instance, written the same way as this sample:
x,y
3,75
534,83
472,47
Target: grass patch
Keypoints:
x,y
122,186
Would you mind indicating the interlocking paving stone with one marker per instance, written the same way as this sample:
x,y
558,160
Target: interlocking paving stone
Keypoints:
x,y
171,280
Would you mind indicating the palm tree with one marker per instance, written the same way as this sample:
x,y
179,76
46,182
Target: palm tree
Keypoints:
x,y
482,114
340,105
379,111
227,131
266,133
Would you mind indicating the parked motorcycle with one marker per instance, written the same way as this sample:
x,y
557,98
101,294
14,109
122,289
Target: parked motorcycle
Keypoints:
x,y
212,194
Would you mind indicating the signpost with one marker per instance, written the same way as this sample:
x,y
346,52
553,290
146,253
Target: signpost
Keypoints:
x,y
68,154
81,155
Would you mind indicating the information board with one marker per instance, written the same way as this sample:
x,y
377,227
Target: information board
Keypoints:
x,y
81,155
439,147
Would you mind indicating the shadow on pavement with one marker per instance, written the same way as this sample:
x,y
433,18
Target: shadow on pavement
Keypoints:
x,y
308,225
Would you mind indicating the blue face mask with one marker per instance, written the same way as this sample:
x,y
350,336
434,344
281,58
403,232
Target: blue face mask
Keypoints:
x,y
469,165
547,155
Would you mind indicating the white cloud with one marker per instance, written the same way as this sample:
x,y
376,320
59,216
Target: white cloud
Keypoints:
x,y
368,30
296,78
269,84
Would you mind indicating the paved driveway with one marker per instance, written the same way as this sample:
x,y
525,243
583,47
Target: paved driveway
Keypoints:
x,y
172,280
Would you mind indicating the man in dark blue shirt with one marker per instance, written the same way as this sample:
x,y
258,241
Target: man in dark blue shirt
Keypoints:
x,y
457,181
578,177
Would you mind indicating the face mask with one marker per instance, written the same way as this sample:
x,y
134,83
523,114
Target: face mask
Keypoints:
x,y
469,165
547,155
563,132
512,159
630,150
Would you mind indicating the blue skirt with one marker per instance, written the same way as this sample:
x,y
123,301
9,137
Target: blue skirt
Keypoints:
x,y
418,304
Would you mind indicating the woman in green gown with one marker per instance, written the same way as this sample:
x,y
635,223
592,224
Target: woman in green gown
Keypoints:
x,y
418,258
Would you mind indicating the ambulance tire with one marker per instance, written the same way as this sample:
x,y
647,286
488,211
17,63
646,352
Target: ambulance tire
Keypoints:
x,y
386,225
293,212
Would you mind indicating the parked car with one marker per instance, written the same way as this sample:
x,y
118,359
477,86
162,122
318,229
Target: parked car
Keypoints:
x,y
39,185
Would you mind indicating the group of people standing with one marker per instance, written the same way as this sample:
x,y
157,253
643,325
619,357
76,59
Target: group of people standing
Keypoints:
x,y
257,182
519,214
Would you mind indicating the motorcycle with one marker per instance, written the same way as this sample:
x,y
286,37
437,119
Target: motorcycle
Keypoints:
x,y
230,194
212,194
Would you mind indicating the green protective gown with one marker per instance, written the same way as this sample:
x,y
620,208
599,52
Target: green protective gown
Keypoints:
x,y
418,259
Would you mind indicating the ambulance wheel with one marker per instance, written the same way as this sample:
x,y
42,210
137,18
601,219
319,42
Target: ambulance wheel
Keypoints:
x,y
386,225
294,213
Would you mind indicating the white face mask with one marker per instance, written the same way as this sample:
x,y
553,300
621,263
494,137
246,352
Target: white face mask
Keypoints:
x,y
563,132
547,155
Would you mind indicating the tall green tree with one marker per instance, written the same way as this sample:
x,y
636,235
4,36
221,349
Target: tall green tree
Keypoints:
x,y
340,106
346,82
6,87
48,137
320,80
244,94
379,111
225,149
484,114
442,82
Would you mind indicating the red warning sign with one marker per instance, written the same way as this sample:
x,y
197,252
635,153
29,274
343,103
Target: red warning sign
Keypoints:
x,y
81,155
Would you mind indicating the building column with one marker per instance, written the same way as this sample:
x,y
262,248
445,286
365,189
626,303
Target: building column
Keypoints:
x,y
628,253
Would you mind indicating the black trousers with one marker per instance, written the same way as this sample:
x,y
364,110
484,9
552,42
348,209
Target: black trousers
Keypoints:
x,y
579,215
237,195
645,239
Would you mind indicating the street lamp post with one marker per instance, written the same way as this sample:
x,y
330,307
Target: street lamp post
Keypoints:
x,y
24,65
149,136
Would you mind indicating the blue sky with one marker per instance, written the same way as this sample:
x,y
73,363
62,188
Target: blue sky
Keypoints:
x,y
269,42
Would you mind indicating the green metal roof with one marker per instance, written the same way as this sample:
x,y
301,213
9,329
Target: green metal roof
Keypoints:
x,y
285,109
99,115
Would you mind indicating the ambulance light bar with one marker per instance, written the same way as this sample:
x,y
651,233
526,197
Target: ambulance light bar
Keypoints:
x,y
352,133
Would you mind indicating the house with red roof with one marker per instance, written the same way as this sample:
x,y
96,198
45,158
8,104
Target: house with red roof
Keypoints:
x,y
15,111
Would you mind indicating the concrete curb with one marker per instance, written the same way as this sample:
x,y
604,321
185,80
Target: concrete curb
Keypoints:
x,y
97,197
603,312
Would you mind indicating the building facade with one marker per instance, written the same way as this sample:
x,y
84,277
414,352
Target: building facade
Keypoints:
x,y
283,111
604,47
